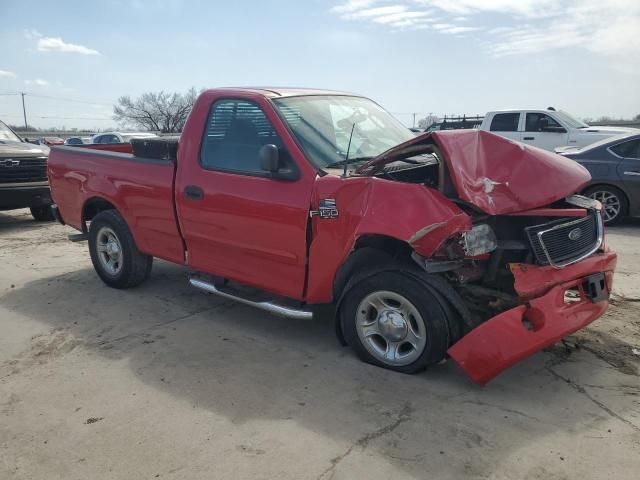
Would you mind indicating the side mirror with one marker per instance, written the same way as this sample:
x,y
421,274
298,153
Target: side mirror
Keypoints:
x,y
269,158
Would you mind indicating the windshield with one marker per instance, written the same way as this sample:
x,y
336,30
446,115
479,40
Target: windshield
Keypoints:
x,y
323,125
7,134
571,121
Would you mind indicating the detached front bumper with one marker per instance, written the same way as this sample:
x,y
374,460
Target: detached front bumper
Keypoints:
x,y
542,320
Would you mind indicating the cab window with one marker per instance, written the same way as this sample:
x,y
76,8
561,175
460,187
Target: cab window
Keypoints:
x,y
630,149
505,122
236,131
540,122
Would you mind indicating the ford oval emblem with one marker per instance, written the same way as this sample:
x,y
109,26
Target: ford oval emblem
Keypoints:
x,y
575,234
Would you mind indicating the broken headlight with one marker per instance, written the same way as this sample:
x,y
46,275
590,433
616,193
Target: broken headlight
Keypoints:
x,y
479,240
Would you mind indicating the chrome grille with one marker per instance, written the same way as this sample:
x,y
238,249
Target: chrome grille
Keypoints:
x,y
21,170
561,242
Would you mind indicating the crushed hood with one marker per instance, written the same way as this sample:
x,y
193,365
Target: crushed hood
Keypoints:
x,y
495,174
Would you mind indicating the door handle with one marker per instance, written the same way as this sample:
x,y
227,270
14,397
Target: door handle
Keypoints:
x,y
193,193
529,138
632,173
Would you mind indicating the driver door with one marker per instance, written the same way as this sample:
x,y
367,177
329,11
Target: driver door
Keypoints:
x,y
237,222
542,131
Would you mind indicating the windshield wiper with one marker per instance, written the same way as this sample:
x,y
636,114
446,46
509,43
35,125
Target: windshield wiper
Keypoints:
x,y
348,161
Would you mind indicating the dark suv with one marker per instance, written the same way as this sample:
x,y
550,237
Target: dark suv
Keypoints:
x,y
23,175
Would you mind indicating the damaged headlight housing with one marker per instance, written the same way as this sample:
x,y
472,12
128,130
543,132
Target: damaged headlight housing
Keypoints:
x,y
479,240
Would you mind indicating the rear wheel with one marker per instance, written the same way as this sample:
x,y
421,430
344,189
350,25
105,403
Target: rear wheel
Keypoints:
x,y
392,320
613,200
42,213
114,254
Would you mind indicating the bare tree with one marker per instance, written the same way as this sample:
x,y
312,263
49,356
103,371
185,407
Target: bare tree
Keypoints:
x,y
427,121
161,111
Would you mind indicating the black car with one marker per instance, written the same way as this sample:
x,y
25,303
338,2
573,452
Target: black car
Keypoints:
x,y
614,164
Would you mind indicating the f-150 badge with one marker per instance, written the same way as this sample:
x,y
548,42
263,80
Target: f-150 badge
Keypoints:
x,y
326,209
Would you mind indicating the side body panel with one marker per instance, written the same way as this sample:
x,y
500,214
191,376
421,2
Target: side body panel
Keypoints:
x,y
411,213
628,171
142,191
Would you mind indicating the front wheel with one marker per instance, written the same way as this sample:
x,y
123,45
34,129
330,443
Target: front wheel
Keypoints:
x,y
392,320
42,213
114,254
614,202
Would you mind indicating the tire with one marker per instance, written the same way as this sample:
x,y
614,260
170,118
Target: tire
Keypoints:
x,y
613,200
114,254
42,213
392,320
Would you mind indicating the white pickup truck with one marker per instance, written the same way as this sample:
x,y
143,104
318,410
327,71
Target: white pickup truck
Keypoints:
x,y
547,129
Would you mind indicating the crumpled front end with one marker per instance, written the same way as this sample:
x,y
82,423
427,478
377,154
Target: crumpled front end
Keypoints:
x,y
556,303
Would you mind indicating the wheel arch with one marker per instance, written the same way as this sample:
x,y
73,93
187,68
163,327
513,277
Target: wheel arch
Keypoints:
x,y
94,206
369,250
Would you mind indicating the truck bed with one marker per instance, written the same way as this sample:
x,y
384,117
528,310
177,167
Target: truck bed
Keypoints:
x,y
141,189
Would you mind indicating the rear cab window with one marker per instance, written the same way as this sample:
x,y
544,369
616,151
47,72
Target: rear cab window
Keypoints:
x,y
505,122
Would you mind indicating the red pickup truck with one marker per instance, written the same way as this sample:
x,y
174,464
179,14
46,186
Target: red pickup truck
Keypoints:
x,y
453,243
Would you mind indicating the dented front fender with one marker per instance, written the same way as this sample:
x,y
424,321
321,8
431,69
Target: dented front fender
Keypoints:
x,y
419,216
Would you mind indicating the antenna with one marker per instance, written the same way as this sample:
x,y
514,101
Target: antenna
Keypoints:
x,y
346,158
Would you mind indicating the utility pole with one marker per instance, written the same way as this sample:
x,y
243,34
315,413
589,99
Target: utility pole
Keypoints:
x,y
414,120
24,112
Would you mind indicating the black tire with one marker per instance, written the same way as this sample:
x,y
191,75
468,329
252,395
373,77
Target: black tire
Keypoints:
x,y
42,213
426,304
598,191
134,266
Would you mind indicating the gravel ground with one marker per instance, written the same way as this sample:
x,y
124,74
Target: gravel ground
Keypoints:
x,y
164,381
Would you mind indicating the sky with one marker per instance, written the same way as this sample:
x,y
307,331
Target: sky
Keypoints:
x,y
73,59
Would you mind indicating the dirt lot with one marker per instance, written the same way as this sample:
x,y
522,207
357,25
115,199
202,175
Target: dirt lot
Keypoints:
x,y
164,381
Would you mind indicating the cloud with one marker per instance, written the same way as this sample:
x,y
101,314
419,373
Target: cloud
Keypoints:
x,y
393,15
522,8
352,6
6,73
38,82
56,44
607,28
515,27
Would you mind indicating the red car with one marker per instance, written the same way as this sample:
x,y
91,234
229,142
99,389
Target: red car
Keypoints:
x,y
454,243
51,141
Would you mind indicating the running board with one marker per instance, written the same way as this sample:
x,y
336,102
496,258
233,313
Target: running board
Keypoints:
x,y
78,237
270,307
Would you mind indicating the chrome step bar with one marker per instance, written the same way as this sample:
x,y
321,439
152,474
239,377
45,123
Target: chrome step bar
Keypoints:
x,y
270,307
